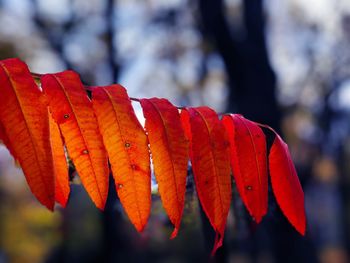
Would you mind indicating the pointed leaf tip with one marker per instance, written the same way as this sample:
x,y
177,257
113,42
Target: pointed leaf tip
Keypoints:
x,y
217,244
174,233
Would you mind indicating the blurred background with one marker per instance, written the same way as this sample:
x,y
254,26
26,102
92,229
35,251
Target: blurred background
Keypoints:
x,y
283,63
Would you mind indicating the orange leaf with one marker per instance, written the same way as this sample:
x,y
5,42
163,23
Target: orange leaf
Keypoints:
x,y
127,147
169,149
24,118
211,165
249,162
60,164
72,110
286,185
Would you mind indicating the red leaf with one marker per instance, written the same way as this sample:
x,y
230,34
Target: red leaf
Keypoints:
x,y
127,147
169,149
286,185
62,188
25,121
249,163
72,110
211,165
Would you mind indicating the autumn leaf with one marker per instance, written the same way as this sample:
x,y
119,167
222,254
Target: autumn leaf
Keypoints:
x,y
127,147
169,148
249,162
26,128
209,155
59,159
72,110
286,185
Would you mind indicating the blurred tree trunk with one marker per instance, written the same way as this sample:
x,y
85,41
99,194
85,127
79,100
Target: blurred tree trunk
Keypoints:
x,y
252,82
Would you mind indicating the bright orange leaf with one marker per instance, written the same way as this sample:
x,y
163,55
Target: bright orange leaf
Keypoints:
x,y
169,148
127,147
25,121
59,159
72,110
249,162
211,165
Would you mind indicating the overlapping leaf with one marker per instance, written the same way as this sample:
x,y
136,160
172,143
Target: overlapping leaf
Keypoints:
x,y
169,148
72,110
59,159
249,162
127,147
211,165
26,129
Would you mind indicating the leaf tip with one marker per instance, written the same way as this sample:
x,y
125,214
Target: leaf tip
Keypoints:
x,y
50,206
140,226
301,227
174,233
218,243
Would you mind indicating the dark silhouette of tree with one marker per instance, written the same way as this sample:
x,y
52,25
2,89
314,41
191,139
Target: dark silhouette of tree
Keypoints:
x,y
251,80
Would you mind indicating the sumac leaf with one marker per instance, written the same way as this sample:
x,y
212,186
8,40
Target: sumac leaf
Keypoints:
x,y
209,154
249,163
24,117
127,147
169,148
72,110
286,185
59,159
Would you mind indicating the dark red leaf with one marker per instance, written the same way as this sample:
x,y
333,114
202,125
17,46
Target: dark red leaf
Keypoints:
x,y
286,185
209,155
249,162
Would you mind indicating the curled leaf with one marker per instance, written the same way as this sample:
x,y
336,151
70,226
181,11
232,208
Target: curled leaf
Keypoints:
x,y
59,159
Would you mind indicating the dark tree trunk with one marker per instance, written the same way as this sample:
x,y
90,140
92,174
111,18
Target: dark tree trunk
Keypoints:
x,y
252,82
